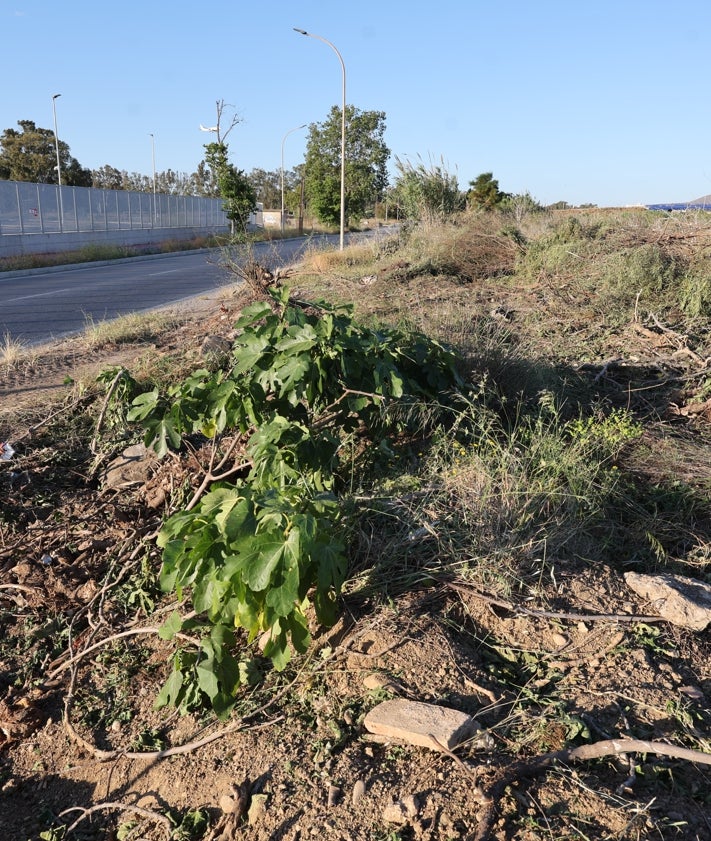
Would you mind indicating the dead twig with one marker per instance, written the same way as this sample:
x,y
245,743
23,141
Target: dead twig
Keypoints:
x,y
597,750
104,407
122,634
122,807
517,610
31,429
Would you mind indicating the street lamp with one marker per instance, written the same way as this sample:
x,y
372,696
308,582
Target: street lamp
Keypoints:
x,y
59,166
56,140
343,128
282,171
153,154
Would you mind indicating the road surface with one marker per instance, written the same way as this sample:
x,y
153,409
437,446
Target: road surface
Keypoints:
x,y
38,308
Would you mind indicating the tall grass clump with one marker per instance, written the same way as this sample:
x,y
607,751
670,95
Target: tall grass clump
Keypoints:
x,y
695,289
427,193
561,254
131,327
508,497
12,350
495,503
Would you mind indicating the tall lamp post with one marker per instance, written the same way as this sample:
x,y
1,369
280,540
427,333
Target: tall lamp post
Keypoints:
x,y
282,171
153,156
343,128
59,166
56,138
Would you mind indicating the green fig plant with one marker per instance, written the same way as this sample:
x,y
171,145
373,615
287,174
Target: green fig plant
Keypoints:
x,y
263,539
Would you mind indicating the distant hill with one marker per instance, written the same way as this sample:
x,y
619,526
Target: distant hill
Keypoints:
x,y
703,203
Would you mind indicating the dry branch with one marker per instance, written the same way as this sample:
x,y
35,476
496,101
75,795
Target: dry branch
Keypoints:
x,y
517,610
123,807
597,750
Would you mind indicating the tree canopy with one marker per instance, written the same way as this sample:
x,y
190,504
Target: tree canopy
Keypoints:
x,y
31,155
484,193
365,165
235,190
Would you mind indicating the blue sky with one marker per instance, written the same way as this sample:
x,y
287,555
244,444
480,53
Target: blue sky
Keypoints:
x,y
604,102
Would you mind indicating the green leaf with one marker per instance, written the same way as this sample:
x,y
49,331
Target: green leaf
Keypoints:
x,y
171,626
299,629
253,313
297,340
206,677
277,649
170,693
282,598
291,372
143,405
162,435
259,564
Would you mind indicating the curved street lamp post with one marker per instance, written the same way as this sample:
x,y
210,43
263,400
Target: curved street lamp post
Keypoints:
x,y
153,156
343,128
282,170
59,166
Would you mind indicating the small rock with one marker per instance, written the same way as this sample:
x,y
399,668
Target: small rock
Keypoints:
x,y
227,804
417,723
358,791
257,808
334,795
403,811
86,592
215,346
132,467
680,600
378,680
692,692
395,813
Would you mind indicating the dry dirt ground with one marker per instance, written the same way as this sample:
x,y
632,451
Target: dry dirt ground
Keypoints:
x,y
82,747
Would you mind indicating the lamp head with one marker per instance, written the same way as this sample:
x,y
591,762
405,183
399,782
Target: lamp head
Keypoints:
x,y
300,31
56,95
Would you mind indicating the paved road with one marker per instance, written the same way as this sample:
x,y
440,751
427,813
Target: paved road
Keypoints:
x,y
37,308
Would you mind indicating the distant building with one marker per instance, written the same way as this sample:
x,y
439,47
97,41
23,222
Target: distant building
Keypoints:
x,y
272,218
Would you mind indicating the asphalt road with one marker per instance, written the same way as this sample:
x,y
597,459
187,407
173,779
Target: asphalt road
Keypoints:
x,y
37,308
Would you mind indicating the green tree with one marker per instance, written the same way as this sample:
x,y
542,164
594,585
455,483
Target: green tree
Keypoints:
x,y
31,155
519,205
203,182
484,193
267,187
365,167
235,190
107,178
426,193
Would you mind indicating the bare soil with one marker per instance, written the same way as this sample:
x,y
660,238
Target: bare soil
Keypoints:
x,y
81,745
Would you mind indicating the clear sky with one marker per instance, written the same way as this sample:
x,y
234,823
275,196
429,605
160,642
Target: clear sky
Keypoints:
x,y
604,102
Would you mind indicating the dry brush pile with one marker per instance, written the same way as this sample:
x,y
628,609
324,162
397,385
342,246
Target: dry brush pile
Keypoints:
x,y
537,426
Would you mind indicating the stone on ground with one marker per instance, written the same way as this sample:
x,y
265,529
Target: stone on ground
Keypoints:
x,y
417,723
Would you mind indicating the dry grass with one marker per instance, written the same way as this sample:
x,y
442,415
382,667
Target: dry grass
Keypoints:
x,y
130,328
12,351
